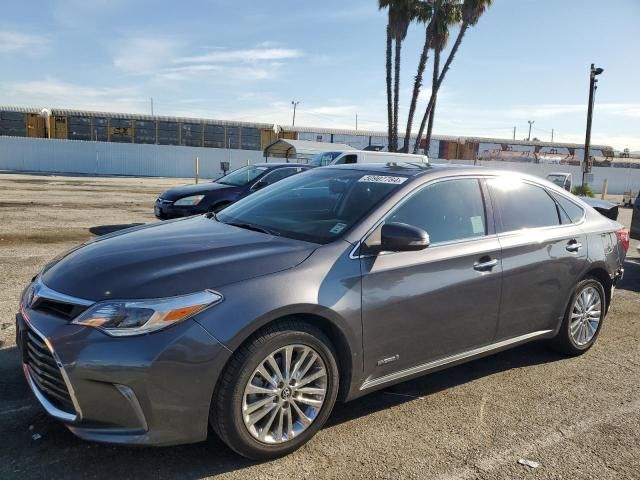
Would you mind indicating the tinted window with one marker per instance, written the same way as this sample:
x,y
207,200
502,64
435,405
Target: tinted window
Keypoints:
x,y
279,174
448,210
521,205
242,176
569,211
347,159
319,205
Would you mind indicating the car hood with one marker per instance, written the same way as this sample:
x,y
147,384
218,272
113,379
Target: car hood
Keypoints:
x,y
197,189
171,258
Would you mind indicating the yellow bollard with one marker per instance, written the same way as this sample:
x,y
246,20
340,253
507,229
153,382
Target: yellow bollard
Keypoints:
x,y
605,186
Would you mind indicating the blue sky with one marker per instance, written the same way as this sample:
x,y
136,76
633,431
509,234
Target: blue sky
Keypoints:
x,y
246,60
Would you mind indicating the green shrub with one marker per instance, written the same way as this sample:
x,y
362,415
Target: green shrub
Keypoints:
x,y
583,191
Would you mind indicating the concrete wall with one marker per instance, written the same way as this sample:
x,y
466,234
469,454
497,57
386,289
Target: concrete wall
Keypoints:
x,y
620,179
102,158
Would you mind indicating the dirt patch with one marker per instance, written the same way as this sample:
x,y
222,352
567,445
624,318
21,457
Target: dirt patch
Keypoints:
x,y
45,235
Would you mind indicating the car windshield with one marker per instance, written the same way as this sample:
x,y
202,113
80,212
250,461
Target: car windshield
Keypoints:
x,y
317,206
323,159
242,176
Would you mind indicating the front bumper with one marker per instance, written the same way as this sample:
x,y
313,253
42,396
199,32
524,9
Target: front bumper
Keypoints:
x,y
167,210
151,389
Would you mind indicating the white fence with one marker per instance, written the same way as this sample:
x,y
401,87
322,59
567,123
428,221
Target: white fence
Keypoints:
x,y
102,158
620,179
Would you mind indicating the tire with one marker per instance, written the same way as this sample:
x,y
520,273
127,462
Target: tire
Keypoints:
x,y
573,339
233,408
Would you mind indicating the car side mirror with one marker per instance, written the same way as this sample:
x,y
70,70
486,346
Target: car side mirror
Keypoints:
x,y
258,185
400,237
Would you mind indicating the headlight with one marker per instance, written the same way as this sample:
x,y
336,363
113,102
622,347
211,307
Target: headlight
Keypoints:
x,y
134,317
189,201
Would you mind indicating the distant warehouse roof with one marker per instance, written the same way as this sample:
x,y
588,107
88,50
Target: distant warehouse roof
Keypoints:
x,y
285,148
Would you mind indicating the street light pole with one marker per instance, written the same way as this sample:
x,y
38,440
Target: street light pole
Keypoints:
x,y
295,104
531,122
586,163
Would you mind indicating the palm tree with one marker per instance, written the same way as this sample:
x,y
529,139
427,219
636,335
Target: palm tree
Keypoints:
x,y
400,15
423,14
471,12
446,13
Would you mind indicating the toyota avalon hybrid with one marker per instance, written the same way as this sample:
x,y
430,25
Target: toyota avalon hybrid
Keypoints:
x,y
325,286
214,196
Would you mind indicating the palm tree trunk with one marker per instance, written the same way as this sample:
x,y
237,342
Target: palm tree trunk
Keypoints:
x,y
396,94
416,90
389,98
445,69
434,95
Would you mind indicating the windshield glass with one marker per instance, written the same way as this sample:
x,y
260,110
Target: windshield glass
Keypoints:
x,y
323,159
317,206
242,176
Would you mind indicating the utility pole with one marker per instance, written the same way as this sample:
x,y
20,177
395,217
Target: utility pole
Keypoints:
x,y
586,164
151,105
514,132
531,122
295,104
552,135
356,121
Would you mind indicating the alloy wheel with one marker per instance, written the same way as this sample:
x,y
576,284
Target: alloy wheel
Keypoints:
x,y
284,394
585,316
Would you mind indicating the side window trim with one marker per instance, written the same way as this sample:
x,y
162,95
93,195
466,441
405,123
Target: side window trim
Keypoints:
x,y
488,213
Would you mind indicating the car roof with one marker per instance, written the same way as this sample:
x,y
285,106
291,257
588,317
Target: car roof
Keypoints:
x,y
410,169
279,164
415,170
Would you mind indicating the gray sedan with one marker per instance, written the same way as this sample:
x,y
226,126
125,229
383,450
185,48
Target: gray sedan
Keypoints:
x,y
325,286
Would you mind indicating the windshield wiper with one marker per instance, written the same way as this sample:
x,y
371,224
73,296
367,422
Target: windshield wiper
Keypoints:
x,y
255,228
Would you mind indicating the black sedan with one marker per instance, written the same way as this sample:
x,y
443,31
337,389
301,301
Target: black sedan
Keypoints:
x,y
214,196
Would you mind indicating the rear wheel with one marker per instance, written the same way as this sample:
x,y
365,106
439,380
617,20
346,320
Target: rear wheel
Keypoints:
x,y
583,319
277,391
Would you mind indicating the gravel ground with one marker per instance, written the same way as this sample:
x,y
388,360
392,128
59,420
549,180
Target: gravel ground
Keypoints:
x,y
578,418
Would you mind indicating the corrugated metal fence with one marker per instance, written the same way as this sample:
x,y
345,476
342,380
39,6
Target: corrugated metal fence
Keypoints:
x,y
102,158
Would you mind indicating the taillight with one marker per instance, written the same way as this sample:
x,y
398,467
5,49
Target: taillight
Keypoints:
x,y
623,238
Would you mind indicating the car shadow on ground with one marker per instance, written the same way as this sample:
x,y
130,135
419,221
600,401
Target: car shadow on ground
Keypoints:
x,y
631,280
99,230
42,446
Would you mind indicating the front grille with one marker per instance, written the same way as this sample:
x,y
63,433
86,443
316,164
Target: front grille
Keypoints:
x,y
56,308
45,372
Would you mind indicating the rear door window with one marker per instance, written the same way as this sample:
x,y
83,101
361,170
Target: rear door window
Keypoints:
x,y
522,205
569,211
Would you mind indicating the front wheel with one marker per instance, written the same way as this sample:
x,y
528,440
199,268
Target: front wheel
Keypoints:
x,y
583,318
277,391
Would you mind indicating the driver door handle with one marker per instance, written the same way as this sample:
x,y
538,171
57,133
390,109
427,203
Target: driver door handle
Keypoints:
x,y
573,246
485,264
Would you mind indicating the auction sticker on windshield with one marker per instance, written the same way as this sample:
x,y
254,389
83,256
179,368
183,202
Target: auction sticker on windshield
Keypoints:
x,y
383,179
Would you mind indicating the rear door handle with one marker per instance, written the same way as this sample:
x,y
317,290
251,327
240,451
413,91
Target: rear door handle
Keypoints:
x,y
573,246
485,265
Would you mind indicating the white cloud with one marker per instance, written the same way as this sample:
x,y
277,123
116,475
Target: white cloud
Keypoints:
x,y
250,55
54,93
143,55
11,42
